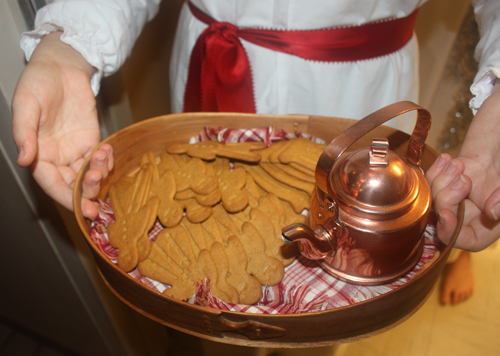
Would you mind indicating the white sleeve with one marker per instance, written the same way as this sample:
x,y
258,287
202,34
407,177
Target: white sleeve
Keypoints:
x,y
103,31
487,50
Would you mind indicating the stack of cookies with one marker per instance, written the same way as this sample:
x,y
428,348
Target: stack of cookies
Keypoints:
x,y
222,208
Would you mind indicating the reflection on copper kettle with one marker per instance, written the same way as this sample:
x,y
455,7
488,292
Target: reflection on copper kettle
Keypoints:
x,y
371,206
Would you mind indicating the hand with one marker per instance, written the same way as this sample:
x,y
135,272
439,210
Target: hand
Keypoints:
x,y
474,176
55,125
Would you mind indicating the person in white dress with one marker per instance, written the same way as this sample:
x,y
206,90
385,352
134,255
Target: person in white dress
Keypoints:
x,y
76,43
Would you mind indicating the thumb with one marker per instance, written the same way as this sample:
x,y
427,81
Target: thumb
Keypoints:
x,y
25,120
492,205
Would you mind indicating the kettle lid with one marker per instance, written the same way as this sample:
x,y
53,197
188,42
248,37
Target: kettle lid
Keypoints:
x,y
374,180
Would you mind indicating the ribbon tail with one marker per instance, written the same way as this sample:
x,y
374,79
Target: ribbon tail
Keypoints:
x,y
192,94
234,88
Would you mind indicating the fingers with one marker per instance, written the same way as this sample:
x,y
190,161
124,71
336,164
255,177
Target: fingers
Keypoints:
x,y
57,182
101,163
447,226
446,204
51,180
444,175
449,196
437,167
25,119
109,151
478,231
448,223
89,209
492,205
449,187
91,183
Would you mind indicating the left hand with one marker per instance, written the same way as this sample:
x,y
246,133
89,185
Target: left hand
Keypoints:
x,y
474,176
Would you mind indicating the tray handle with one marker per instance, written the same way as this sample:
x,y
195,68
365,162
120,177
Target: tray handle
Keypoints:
x,y
253,330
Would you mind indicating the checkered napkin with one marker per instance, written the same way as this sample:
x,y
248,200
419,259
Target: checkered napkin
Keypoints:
x,y
306,286
269,135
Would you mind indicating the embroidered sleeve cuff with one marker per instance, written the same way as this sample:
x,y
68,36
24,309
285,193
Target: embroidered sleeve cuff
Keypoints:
x,y
103,32
482,87
29,41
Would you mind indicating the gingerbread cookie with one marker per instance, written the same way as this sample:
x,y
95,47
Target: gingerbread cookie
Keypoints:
x,y
248,287
268,270
208,150
223,269
303,152
226,225
275,151
188,175
253,191
299,199
302,174
195,212
274,171
212,232
266,218
169,211
231,184
135,214
173,262
196,236
209,199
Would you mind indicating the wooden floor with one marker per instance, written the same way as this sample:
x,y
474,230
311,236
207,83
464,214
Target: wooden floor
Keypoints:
x,y
470,328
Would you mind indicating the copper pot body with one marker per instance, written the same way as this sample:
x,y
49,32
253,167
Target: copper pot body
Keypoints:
x,y
367,219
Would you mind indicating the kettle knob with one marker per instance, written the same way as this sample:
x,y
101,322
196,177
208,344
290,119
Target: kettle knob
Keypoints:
x,y
379,152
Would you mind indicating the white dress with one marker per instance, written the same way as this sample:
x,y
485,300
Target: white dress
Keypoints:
x,y
104,32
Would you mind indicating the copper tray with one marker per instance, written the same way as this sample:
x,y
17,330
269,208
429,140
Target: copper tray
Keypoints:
x,y
314,329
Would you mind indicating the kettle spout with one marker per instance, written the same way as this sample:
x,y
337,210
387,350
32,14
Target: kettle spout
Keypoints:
x,y
314,244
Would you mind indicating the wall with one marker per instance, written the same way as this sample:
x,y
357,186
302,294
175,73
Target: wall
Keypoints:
x,y
50,285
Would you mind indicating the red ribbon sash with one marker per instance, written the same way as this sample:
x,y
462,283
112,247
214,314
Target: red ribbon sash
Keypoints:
x,y
220,78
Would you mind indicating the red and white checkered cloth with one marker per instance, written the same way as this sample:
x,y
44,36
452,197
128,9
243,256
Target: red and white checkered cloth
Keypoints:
x,y
306,286
268,135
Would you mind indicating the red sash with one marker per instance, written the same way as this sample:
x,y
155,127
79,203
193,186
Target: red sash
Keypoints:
x,y
220,78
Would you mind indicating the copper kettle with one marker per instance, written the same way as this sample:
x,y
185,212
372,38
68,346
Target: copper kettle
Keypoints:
x,y
370,209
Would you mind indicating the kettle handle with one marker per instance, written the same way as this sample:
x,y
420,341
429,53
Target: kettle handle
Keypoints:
x,y
343,141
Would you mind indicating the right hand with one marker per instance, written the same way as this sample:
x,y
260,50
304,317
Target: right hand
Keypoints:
x,y
55,125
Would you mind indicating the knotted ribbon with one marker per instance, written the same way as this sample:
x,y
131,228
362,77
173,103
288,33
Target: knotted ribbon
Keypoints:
x,y
220,77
